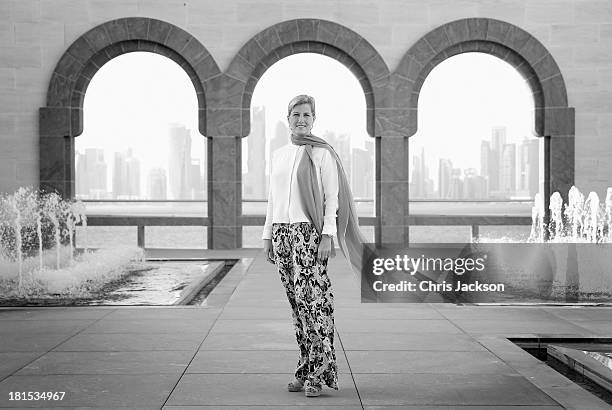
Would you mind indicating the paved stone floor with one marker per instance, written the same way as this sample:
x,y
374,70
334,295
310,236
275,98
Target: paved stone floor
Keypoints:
x,y
239,351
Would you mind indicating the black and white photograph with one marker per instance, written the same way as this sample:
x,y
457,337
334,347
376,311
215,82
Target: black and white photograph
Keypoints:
x,y
326,204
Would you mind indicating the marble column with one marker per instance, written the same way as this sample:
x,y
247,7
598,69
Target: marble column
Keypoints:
x,y
392,189
224,192
559,124
56,150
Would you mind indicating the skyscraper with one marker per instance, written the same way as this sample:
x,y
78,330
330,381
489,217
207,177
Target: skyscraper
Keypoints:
x,y
254,181
528,167
197,186
91,174
82,182
157,184
420,186
498,137
343,149
508,174
456,184
362,176
474,185
126,176
342,145
485,159
179,162
498,140
444,178
280,138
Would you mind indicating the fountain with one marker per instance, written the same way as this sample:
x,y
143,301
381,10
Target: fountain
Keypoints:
x,y
37,250
567,260
582,221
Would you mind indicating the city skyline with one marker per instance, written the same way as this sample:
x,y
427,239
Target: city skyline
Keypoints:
x,y
502,99
501,174
180,177
183,177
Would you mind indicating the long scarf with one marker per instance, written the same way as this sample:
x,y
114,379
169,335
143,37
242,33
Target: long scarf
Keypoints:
x,y
349,235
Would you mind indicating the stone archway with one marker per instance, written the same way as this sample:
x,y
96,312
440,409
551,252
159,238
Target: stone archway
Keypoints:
x,y
554,119
62,118
230,95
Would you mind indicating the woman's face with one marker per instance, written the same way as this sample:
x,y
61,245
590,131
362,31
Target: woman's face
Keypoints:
x,y
301,119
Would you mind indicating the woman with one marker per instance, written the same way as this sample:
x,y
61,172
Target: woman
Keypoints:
x,y
309,203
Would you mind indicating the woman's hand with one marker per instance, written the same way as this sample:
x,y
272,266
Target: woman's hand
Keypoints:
x,y
324,249
269,250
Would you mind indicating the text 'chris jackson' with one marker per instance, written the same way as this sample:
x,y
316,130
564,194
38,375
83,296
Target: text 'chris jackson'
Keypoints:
x,y
429,286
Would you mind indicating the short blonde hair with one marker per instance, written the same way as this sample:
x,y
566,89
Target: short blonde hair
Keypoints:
x,y
301,99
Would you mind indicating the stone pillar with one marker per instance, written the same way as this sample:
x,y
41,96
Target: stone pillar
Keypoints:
x,y
558,124
224,192
56,149
392,192
561,165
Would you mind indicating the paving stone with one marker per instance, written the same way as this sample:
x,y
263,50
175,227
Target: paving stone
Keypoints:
x,y
453,312
250,341
582,313
266,361
305,407
397,326
486,326
413,311
449,389
470,407
255,390
105,391
30,342
10,362
236,312
598,327
148,362
426,362
42,327
177,313
252,326
126,342
153,326
402,341
51,313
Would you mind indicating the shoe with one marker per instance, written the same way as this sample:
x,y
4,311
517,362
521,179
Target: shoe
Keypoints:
x,y
295,385
310,390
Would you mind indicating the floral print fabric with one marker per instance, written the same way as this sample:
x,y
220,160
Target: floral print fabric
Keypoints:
x,y
312,303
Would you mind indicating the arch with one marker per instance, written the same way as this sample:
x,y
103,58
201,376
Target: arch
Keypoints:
x,y
503,40
63,115
554,119
235,87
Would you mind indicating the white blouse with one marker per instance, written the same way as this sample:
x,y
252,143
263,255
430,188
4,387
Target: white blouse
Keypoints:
x,y
284,203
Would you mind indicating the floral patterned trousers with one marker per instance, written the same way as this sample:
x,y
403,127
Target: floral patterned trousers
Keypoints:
x,y
310,295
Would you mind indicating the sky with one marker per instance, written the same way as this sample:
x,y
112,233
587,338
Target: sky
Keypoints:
x,y
462,99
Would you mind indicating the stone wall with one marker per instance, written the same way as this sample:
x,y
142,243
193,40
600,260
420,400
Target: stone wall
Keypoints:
x,y
35,34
